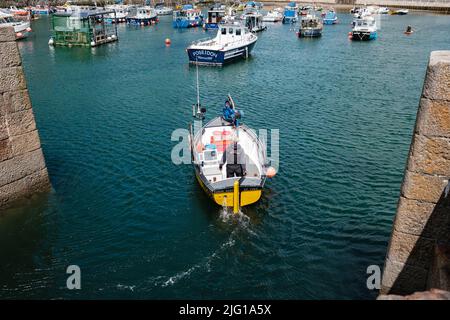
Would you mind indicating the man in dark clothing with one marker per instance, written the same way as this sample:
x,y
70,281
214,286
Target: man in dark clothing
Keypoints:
x,y
235,158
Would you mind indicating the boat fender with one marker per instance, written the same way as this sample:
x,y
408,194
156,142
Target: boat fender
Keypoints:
x,y
271,172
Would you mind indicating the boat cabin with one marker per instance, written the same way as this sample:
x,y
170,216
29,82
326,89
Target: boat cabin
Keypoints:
x,y
230,31
365,23
310,23
215,16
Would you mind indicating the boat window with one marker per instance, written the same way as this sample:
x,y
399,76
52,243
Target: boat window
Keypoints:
x,y
238,32
230,31
224,31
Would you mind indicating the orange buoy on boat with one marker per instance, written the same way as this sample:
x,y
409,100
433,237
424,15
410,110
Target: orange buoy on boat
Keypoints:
x,y
271,172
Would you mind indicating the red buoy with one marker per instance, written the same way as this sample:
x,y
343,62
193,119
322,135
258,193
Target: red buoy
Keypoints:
x,y
167,42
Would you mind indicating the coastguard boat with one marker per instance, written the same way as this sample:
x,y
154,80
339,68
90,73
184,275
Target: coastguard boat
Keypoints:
x,y
143,16
364,29
330,18
230,161
310,27
290,14
233,41
21,28
254,21
213,18
273,16
187,17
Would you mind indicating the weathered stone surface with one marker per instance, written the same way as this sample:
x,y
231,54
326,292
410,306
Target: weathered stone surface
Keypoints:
x,y
36,182
430,155
18,167
3,128
433,294
400,278
7,34
410,249
434,118
9,55
21,122
437,82
420,218
5,149
16,101
423,187
12,79
25,142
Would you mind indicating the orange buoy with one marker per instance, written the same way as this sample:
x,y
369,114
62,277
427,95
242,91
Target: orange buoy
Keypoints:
x,y
167,42
271,172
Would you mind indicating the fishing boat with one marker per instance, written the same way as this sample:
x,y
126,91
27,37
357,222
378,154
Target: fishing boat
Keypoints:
x,y
233,41
21,28
330,18
273,16
310,27
290,14
399,12
213,17
187,17
143,16
162,10
254,21
121,13
230,161
364,29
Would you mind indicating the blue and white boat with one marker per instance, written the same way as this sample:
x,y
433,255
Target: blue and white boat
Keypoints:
x,y
330,18
119,15
364,29
290,14
143,16
233,41
213,18
310,27
187,17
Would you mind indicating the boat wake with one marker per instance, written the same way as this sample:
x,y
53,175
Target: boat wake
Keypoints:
x,y
205,264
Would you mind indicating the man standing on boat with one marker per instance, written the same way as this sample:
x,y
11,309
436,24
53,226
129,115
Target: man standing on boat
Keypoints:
x,y
231,115
235,158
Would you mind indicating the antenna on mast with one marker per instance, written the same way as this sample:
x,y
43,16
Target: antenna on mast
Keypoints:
x,y
198,111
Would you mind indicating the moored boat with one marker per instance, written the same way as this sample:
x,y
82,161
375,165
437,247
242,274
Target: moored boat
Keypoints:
x,y
143,16
310,27
21,28
330,18
290,14
383,10
233,41
187,17
273,16
121,13
364,29
230,161
162,10
213,17
18,11
254,21
399,12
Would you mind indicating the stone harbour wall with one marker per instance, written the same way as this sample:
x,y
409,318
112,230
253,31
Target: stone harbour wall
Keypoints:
x,y
418,254
22,166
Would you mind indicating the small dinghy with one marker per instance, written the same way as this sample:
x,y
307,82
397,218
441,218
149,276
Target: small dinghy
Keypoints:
x,y
229,160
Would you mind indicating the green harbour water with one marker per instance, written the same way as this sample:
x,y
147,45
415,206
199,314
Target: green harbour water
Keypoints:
x,y
140,226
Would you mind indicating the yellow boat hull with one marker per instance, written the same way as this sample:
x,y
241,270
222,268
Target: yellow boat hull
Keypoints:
x,y
247,197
